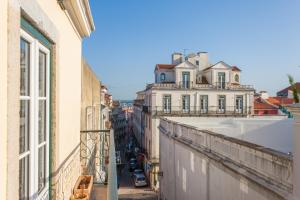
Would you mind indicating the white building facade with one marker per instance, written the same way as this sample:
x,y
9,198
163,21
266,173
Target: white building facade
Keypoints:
x,y
191,86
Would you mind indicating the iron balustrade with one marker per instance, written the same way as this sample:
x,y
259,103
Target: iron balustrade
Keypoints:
x,y
94,153
193,85
200,111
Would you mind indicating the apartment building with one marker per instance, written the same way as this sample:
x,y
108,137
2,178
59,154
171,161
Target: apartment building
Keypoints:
x,y
191,86
138,119
41,59
106,107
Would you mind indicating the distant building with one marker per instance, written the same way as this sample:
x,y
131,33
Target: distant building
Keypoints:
x,y
138,118
263,107
287,92
191,86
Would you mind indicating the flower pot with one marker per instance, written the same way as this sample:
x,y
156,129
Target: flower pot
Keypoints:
x,y
79,196
83,185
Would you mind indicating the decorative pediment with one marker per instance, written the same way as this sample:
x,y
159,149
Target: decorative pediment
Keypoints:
x,y
219,65
186,65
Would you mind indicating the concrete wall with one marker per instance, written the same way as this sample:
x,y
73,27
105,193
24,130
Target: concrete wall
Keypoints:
x,y
254,130
196,167
90,99
295,110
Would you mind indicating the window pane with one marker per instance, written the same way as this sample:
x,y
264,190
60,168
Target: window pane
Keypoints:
x,y
25,68
42,168
42,74
42,121
24,178
24,125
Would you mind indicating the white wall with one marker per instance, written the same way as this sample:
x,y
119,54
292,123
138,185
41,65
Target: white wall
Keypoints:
x,y
189,174
170,76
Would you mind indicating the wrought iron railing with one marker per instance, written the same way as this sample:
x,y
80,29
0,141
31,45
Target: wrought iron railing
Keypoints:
x,y
94,153
193,85
200,111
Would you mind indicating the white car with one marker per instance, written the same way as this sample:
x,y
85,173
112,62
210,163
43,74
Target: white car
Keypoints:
x,y
140,180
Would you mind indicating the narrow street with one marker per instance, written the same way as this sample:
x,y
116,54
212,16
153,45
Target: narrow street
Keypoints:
x,y
127,190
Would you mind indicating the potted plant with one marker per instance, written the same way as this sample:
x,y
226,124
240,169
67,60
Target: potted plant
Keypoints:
x,y
83,186
80,195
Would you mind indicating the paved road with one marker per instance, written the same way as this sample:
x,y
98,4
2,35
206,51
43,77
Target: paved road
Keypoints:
x,y
127,191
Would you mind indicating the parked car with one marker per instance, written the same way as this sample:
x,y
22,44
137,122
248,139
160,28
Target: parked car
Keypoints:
x,y
137,172
140,180
132,164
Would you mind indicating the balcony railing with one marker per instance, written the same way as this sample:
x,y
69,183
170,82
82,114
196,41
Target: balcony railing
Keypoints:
x,y
97,156
192,85
200,111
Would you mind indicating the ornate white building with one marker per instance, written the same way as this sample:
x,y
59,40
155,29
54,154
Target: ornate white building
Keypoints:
x,y
191,86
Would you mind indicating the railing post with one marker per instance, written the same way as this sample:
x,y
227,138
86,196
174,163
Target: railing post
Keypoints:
x,y
112,190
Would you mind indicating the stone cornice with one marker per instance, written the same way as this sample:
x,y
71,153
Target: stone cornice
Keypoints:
x,y
80,14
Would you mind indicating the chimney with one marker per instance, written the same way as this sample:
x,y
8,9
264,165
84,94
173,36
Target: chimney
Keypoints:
x,y
203,60
177,58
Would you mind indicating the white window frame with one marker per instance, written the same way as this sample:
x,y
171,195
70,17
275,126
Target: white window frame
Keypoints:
x,y
167,104
35,47
239,99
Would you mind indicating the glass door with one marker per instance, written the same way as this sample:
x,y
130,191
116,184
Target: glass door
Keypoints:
x,y
186,103
239,104
34,118
186,79
167,104
221,80
204,104
221,104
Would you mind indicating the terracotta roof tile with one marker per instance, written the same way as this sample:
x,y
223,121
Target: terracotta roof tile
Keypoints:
x,y
165,66
280,100
261,104
235,68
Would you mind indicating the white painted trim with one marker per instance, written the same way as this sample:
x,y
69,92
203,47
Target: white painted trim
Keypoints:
x,y
35,47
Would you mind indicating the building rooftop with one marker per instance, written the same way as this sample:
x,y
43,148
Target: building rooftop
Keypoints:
x,y
270,132
297,85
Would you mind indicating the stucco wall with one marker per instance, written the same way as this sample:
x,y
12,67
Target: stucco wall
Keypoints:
x,y
3,98
90,98
52,21
56,24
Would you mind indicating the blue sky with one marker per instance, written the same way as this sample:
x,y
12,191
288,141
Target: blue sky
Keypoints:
x,y
262,37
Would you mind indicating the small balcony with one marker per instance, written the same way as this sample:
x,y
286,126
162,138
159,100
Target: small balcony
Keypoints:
x,y
97,157
193,85
198,111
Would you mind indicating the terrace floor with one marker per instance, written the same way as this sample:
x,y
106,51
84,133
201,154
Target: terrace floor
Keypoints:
x,y
99,192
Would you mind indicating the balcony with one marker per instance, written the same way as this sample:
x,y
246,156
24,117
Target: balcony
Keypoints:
x,y
97,157
198,111
192,85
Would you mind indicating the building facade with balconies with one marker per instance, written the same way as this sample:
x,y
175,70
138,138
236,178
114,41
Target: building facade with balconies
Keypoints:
x,y
192,86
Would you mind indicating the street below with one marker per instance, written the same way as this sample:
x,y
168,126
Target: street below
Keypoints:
x,y
127,190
